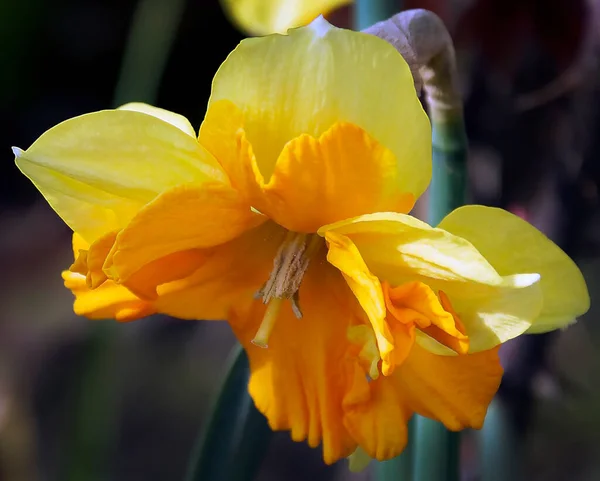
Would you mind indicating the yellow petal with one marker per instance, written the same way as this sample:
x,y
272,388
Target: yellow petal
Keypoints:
x,y
287,86
263,17
222,134
302,379
512,246
172,118
228,278
99,169
109,301
344,173
191,216
343,255
455,390
398,248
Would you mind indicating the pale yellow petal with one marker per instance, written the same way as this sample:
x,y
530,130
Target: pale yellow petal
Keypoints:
x,y
263,17
98,169
399,248
512,246
177,120
304,82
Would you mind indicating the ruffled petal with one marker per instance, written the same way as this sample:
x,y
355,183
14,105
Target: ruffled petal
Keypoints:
x,y
343,173
455,390
99,169
109,301
298,84
379,425
186,217
228,278
302,379
512,245
264,17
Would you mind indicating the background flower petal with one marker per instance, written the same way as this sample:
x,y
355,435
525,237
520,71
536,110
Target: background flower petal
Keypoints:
x,y
298,84
99,169
263,17
512,245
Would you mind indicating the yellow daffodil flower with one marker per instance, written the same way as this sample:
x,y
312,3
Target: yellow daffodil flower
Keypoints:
x,y
264,17
289,216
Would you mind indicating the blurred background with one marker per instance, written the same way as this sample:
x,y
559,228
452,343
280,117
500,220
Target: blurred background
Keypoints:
x,y
82,400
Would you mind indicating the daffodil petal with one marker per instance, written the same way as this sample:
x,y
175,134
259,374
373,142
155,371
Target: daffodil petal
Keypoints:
x,y
302,379
343,255
264,17
172,118
512,245
228,278
455,390
380,424
300,86
343,173
99,169
222,134
109,301
396,247
192,216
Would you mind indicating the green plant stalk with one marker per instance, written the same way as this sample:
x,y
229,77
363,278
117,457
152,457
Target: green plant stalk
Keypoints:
x,y
90,432
500,445
153,31
368,12
436,452
236,438
448,186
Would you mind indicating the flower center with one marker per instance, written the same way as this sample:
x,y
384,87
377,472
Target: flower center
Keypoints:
x,y
289,266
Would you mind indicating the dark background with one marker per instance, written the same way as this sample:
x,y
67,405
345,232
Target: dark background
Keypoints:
x,y
70,387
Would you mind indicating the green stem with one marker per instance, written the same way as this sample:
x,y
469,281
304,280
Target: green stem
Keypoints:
x,y
436,452
449,176
153,31
233,444
368,12
500,445
90,433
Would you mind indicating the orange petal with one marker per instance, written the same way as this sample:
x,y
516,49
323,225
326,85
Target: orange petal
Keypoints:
x,y
186,217
342,174
379,426
172,267
301,380
109,301
228,277
89,261
455,390
415,302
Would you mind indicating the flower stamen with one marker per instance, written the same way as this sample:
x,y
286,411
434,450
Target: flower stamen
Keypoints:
x,y
289,266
